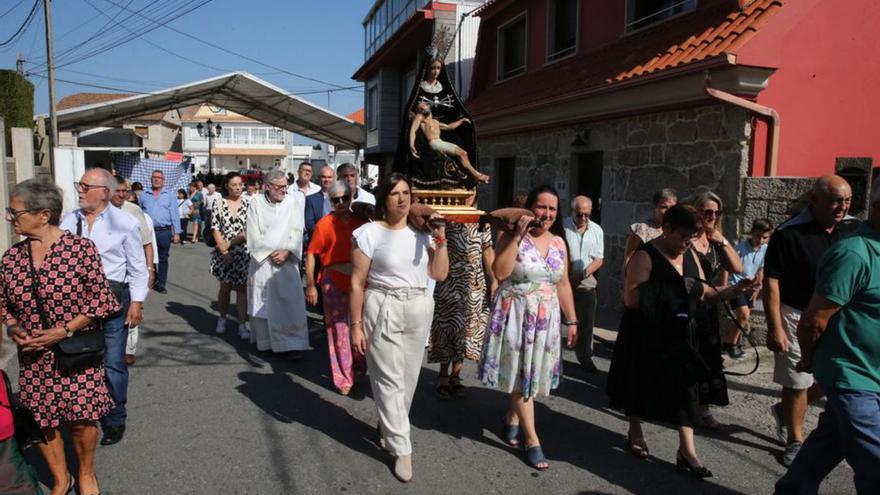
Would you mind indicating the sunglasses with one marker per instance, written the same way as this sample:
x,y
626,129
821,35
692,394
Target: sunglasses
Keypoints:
x,y
581,215
712,213
340,199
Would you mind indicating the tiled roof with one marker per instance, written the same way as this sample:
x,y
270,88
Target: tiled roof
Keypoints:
x,y
357,116
83,99
727,37
711,33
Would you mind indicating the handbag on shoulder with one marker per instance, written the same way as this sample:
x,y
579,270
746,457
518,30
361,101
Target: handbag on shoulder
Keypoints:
x,y
85,349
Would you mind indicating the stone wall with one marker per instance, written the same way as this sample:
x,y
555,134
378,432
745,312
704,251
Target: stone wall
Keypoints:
x,y
776,198
704,146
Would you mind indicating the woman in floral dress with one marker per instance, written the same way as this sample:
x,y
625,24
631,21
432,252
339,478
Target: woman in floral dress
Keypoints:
x,y
229,262
522,353
66,271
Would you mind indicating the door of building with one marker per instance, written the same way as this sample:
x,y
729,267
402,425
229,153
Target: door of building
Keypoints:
x,y
505,173
588,177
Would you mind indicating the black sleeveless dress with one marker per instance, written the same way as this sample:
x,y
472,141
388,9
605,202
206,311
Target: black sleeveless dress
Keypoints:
x,y
647,377
713,390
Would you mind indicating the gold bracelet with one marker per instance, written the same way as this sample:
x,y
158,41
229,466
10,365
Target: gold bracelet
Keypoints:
x,y
358,322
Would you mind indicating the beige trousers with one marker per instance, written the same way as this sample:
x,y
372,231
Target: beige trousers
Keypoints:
x,y
396,323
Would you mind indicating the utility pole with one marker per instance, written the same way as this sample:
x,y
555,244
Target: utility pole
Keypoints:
x,y
19,64
53,122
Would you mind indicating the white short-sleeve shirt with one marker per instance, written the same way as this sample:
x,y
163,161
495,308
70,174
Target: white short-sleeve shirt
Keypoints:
x,y
399,258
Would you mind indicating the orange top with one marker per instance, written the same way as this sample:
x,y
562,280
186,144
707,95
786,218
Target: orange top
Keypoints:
x,y
331,243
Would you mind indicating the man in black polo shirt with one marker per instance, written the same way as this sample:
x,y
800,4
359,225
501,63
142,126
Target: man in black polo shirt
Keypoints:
x,y
789,278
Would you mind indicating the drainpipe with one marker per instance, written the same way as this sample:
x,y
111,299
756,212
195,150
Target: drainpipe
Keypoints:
x,y
766,114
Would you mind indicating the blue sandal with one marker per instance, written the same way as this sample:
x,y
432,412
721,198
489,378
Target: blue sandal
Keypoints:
x,y
535,456
510,433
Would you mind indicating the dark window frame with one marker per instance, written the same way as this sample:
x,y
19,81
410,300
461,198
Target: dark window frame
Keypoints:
x,y
501,75
567,52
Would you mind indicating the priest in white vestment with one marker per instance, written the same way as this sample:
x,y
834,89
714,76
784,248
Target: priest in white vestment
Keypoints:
x,y
276,301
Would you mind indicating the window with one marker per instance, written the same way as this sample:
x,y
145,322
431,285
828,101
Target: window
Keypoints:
x,y
240,135
373,107
385,20
276,136
562,28
407,82
512,48
259,135
641,13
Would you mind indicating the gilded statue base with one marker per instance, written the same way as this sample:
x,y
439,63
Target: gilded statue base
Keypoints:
x,y
451,203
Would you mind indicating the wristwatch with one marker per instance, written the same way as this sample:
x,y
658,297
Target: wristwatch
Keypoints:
x,y
68,330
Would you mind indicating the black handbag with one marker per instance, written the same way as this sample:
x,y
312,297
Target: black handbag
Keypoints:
x,y
27,431
85,349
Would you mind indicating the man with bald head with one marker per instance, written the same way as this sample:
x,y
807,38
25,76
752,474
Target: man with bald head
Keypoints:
x,y
586,250
789,279
117,236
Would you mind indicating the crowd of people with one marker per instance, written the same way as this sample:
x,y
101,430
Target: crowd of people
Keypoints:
x,y
389,278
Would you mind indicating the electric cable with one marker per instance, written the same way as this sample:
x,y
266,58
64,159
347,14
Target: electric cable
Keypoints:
x,y
24,25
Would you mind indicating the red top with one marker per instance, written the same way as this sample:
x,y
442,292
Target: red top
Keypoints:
x,y
331,243
7,429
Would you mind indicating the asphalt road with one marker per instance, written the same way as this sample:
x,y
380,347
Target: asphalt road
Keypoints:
x,y
210,415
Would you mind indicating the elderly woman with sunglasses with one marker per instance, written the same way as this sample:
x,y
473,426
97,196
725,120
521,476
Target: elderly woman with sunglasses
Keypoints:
x,y
717,258
331,244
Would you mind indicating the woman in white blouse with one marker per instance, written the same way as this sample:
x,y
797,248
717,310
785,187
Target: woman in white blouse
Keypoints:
x,y
391,321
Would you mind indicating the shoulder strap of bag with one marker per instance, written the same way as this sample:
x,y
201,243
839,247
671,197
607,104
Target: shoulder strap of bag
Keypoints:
x,y
79,227
35,288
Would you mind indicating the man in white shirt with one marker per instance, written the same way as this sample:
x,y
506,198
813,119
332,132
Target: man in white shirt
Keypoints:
x,y
349,173
304,182
212,197
586,250
118,239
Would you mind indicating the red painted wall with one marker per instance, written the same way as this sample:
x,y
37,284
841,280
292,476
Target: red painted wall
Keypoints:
x,y
827,87
601,23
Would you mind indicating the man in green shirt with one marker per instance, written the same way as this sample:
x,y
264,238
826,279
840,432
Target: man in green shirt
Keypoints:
x,y
839,335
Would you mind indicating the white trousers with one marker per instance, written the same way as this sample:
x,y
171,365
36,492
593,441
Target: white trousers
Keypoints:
x,y
396,322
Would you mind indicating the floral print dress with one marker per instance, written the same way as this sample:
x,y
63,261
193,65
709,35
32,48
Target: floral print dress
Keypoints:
x,y
522,349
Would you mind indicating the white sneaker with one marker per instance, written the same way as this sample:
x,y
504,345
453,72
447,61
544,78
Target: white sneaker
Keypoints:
x,y
244,333
221,325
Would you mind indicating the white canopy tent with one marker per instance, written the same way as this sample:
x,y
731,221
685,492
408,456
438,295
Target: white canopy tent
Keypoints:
x,y
239,92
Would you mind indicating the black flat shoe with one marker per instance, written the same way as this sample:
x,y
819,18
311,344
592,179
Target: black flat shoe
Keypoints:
x,y
683,465
112,435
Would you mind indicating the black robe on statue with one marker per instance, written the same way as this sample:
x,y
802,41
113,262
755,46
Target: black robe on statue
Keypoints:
x,y
435,170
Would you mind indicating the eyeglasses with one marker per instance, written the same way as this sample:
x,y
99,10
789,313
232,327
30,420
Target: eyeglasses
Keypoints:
x,y
278,187
340,199
83,187
581,215
12,212
712,213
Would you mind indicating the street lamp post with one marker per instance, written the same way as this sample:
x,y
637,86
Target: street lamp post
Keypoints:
x,y
211,133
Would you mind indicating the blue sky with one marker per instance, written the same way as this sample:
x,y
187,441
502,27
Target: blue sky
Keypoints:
x,y
320,39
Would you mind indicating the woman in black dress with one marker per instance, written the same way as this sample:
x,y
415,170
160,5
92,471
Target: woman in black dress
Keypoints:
x,y
656,369
717,258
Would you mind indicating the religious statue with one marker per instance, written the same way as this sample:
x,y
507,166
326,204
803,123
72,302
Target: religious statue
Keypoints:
x,y
443,155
